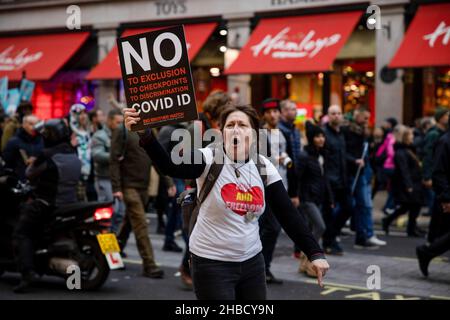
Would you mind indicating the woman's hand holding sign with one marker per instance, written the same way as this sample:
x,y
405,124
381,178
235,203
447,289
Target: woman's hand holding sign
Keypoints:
x,y
131,117
157,78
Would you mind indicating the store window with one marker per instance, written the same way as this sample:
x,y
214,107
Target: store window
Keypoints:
x,y
304,89
443,87
206,80
358,86
436,89
53,99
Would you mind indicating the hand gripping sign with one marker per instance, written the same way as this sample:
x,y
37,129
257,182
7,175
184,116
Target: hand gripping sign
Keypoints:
x,y
157,77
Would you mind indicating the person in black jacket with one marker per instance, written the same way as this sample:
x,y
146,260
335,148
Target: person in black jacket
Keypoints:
x,y
274,144
406,182
23,148
54,175
441,185
336,168
313,185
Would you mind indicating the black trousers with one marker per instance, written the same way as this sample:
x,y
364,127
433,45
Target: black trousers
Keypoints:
x,y
220,280
269,230
439,246
335,223
27,233
439,223
412,208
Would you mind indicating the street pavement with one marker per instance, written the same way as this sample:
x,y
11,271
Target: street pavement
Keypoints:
x,y
351,276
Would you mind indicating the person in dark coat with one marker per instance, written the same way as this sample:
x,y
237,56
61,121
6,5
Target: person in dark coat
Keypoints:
x,y
15,122
442,117
313,186
406,182
441,185
336,168
54,174
313,183
22,149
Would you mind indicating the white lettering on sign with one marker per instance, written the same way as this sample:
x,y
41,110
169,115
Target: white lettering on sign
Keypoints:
x,y
161,103
281,48
8,62
441,30
143,58
188,46
157,49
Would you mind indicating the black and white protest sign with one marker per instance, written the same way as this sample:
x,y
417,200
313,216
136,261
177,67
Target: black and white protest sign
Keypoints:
x,y
157,77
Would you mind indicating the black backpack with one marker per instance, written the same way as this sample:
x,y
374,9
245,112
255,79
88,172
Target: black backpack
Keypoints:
x,y
190,203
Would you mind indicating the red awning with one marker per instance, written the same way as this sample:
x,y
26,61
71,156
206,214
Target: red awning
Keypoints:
x,y
41,56
427,41
295,44
196,36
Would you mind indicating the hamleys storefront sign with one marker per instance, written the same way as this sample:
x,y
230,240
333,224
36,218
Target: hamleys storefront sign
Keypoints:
x,y
306,43
440,35
13,60
427,40
300,45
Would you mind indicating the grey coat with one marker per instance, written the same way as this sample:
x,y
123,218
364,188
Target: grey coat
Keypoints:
x,y
100,147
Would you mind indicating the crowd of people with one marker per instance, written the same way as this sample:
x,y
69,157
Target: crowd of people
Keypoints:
x,y
316,183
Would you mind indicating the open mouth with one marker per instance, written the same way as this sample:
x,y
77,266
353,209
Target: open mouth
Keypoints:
x,y
235,141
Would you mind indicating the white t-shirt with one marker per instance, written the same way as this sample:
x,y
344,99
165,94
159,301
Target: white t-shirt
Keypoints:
x,y
222,231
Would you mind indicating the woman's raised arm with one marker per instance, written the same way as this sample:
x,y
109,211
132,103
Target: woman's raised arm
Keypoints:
x,y
159,155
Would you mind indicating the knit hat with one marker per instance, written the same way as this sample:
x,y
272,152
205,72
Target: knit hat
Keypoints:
x,y
77,108
312,131
392,121
440,112
270,103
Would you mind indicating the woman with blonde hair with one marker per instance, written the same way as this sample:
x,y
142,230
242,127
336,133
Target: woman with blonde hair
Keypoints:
x,y
406,182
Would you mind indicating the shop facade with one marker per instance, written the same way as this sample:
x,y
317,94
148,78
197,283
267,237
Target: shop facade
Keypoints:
x,y
355,72
425,56
55,62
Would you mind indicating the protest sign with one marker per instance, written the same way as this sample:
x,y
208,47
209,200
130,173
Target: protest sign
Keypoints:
x,y
4,92
13,101
157,77
26,89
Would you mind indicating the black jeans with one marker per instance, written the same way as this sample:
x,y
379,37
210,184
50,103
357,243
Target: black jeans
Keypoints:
x,y
439,223
413,209
269,229
439,246
335,223
221,280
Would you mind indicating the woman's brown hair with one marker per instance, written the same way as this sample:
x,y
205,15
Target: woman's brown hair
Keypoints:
x,y
247,109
